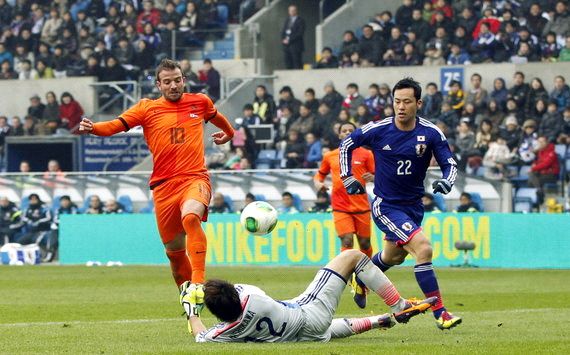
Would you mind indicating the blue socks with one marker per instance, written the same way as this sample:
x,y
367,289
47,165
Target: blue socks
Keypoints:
x,y
425,276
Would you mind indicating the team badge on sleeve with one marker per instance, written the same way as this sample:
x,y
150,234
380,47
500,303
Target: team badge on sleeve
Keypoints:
x,y
420,150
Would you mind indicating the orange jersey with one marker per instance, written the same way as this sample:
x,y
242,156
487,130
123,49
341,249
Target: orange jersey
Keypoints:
x,y
362,162
174,132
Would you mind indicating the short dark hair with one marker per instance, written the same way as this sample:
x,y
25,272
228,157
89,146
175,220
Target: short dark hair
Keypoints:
x,y
519,73
352,85
310,91
431,84
248,107
286,194
344,124
207,61
375,86
466,195
65,197
250,195
477,75
166,64
409,83
222,300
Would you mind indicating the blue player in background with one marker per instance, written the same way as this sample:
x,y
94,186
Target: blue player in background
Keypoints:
x,y
403,146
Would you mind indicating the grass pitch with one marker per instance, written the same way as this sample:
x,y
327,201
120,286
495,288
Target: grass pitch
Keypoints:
x,y
134,309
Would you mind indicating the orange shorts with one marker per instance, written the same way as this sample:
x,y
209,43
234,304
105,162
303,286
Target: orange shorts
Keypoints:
x,y
347,223
169,197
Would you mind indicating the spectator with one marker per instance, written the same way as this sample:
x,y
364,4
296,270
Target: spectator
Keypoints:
x,y
65,207
419,25
466,204
363,116
477,95
535,21
545,169
564,137
37,220
32,128
287,203
456,96
483,45
219,204
429,203
461,38
560,22
323,203
60,62
448,116
373,101
10,220
169,14
84,22
327,60
560,93
305,123
144,56
249,198
484,137
50,115
294,150
233,162
564,55
110,36
95,205
433,56
349,44
124,52
149,14
151,37
87,39
17,129
282,124
189,75
292,39
524,36
250,118
465,143
457,56
113,207
550,50
529,143
524,55
313,151
539,110
190,20
410,57
536,92
26,71
211,77
395,48
432,101
551,123
500,92
70,112
370,46
5,54
403,15
51,27
332,98
519,91
263,104
352,99
286,98
383,24
496,159
324,122
6,71
43,71
36,108
311,102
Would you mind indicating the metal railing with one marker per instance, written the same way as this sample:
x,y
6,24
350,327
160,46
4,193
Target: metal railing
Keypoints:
x,y
229,85
109,93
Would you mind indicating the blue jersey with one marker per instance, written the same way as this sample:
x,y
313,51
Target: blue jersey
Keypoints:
x,y
401,157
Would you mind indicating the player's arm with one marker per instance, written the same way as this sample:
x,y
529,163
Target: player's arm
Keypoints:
x,y
220,121
132,117
321,174
347,146
446,163
368,176
197,326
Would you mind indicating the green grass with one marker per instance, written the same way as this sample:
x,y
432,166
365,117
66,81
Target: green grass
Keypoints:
x,y
135,310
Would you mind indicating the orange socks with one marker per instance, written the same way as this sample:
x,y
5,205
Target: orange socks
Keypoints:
x,y
344,248
368,252
196,245
180,265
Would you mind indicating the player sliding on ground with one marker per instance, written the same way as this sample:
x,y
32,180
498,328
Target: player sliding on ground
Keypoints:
x,y
403,146
248,314
174,128
351,213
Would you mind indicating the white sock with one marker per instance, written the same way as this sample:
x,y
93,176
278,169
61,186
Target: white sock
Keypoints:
x,y
375,280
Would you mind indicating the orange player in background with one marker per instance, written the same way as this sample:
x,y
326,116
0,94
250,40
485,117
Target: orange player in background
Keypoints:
x,y
174,131
351,213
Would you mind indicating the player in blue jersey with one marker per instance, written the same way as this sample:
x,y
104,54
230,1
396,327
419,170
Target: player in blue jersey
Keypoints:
x,y
403,146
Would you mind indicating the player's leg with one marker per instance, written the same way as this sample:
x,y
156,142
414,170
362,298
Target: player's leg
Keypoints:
x,y
345,327
345,229
179,262
193,210
421,250
362,226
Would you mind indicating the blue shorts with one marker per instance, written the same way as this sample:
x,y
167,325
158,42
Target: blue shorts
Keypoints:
x,y
400,223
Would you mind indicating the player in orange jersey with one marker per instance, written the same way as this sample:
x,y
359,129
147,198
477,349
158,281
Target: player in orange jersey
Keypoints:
x,y
351,213
174,131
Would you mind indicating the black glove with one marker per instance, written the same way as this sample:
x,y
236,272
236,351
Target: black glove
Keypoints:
x,y
441,185
353,187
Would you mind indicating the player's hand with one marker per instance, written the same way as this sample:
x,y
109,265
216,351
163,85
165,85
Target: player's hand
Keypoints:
x,y
221,137
320,185
192,299
353,186
368,177
441,185
85,126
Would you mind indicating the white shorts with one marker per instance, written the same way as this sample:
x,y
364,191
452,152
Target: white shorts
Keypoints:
x,y
319,303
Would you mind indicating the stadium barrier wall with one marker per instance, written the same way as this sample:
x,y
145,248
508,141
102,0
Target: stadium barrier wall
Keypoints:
x,y
502,240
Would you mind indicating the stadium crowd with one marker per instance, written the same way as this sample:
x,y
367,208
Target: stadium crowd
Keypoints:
x,y
439,32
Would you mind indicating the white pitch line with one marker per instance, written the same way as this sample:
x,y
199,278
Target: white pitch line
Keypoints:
x,y
181,319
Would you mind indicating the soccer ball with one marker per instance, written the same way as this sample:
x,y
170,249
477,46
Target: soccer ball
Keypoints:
x,y
259,218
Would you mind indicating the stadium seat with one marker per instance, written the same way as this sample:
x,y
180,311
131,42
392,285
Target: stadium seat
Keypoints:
x,y
481,171
24,203
149,208
527,192
265,159
259,197
55,204
230,202
522,204
439,202
522,178
477,200
553,186
298,203
560,149
126,202
223,15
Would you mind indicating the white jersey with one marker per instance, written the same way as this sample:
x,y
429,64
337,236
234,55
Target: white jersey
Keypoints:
x,y
263,319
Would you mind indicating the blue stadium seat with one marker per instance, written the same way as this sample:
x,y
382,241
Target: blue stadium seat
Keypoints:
x,y
553,186
439,202
230,202
55,204
298,203
126,202
477,200
560,149
527,192
223,14
522,204
149,208
24,203
265,159
522,178
481,171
